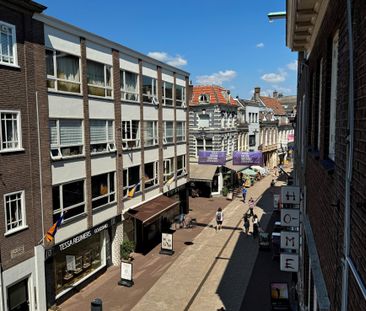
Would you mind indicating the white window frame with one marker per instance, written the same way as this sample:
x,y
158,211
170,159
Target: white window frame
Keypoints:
x,y
19,133
128,141
154,179
59,148
105,86
62,209
164,97
110,145
168,169
155,133
23,219
125,92
111,195
181,171
56,80
320,101
182,138
126,185
182,102
168,139
152,98
14,63
333,98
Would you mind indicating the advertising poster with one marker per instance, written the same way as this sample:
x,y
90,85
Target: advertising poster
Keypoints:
x,y
212,157
70,263
247,158
167,241
126,271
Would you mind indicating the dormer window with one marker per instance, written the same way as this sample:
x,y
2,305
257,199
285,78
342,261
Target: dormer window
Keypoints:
x,y
204,99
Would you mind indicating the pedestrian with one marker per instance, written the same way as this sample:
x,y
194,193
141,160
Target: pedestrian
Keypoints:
x,y
246,225
255,226
251,207
219,219
244,193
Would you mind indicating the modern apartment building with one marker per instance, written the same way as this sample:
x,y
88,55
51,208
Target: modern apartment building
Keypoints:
x,y
101,134
330,150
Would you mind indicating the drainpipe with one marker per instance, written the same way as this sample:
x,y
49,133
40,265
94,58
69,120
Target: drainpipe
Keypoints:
x,y
349,160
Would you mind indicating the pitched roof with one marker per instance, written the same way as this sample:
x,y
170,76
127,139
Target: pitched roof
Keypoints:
x,y
216,94
274,104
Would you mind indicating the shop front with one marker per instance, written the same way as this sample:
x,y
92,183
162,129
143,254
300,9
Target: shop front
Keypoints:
x,y
74,261
151,219
205,180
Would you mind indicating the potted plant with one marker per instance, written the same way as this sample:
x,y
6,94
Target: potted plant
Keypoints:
x,y
225,191
126,248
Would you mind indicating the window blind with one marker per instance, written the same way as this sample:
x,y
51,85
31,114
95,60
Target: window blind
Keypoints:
x,y
98,131
71,132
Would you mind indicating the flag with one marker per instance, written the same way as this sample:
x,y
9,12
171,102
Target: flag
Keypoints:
x,y
131,193
52,231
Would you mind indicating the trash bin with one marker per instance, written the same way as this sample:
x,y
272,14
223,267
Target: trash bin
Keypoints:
x,y
97,305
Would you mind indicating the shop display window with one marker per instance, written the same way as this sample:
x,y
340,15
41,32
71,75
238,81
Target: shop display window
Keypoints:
x,y
78,261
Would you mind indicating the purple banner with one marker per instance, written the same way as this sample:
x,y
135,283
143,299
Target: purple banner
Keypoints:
x,y
247,158
212,157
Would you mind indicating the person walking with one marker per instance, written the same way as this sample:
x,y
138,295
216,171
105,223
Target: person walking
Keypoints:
x,y
219,219
246,225
255,226
244,193
251,207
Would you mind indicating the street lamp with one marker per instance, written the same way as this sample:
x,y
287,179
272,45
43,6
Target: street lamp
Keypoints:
x,y
276,15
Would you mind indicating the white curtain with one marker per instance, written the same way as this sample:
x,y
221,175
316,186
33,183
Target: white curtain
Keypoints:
x,y
95,73
67,67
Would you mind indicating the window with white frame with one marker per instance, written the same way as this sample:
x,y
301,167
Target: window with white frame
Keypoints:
x,y
63,71
103,189
168,132
129,85
149,89
151,174
181,131
66,138
99,79
203,120
68,198
130,134
181,165
10,135
150,133
14,211
251,140
101,136
167,93
333,99
203,144
8,48
168,169
180,96
131,178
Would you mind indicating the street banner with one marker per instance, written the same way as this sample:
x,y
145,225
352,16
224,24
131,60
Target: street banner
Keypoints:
x,y
247,158
290,217
289,262
290,195
212,157
290,240
290,137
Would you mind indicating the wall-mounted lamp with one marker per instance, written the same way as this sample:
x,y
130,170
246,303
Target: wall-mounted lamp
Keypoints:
x,y
276,15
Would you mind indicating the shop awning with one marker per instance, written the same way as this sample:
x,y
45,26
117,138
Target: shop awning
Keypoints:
x,y
202,172
147,212
236,168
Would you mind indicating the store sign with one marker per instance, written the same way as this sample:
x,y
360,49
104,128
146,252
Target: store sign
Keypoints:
x,y
290,195
290,137
16,252
289,262
290,240
276,201
247,158
212,157
167,241
290,217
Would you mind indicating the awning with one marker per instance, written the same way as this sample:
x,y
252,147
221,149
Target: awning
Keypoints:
x,y
201,172
149,211
236,168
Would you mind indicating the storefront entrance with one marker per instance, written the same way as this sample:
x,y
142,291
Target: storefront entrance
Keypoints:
x,y
18,297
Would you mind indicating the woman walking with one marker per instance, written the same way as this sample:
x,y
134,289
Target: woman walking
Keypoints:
x,y
219,219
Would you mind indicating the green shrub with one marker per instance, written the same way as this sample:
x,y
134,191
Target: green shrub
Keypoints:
x,y
225,191
126,248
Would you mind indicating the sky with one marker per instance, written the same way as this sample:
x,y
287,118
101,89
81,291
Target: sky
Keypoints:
x,y
229,43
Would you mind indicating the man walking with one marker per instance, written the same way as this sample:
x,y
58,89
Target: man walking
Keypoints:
x,y
246,225
251,207
219,219
244,193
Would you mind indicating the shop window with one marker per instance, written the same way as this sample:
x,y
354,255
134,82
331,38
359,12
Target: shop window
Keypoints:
x,y
77,262
101,136
68,198
131,178
103,189
151,174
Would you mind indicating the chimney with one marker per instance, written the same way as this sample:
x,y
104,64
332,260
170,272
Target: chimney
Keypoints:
x,y
257,92
275,94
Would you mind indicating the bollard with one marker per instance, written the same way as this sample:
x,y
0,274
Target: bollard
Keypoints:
x,y
97,305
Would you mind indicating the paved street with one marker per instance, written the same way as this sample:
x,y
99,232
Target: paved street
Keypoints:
x,y
220,269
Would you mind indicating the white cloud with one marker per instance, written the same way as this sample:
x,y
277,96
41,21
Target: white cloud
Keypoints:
x,y
275,77
176,61
293,65
260,45
217,77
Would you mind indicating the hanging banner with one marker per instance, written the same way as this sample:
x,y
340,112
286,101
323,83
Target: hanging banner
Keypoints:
x,y
289,262
290,195
290,240
212,157
247,158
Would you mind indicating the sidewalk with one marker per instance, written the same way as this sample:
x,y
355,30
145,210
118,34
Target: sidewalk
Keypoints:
x,y
212,272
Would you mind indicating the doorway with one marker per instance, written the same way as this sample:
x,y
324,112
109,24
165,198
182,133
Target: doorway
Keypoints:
x,y
18,297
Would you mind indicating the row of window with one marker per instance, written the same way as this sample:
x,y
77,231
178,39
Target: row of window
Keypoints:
x,y
66,135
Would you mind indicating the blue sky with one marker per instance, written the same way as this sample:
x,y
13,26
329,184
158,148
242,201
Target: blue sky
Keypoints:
x,y
229,43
